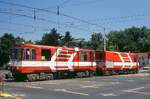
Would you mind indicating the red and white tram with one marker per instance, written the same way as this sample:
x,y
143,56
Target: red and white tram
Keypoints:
x,y
112,62
34,62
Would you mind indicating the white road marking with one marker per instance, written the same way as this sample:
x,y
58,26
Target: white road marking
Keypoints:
x,y
71,92
130,80
92,86
145,78
144,93
90,81
108,94
60,90
34,87
18,95
44,83
135,90
135,75
115,83
27,86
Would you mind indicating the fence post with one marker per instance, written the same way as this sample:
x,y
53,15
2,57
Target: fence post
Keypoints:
x,y
2,83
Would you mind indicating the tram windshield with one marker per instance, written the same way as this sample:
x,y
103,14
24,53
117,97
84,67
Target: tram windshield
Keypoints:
x,y
16,54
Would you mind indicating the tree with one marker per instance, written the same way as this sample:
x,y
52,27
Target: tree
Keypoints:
x,y
51,38
6,42
115,40
38,42
67,40
19,40
131,39
96,41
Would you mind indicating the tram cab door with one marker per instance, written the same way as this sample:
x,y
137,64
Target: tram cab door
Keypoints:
x,y
92,58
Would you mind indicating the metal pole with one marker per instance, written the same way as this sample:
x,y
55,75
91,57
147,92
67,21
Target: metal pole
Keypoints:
x,y
2,87
104,41
58,13
2,83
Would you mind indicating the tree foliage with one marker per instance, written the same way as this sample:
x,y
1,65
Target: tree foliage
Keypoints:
x,y
6,42
132,39
52,38
67,40
96,41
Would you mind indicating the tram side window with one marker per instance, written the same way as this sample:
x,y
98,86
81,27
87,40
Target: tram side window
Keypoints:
x,y
100,55
83,56
46,55
33,54
27,54
92,57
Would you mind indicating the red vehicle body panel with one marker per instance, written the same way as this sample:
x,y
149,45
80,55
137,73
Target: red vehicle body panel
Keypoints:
x,y
117,61
63,59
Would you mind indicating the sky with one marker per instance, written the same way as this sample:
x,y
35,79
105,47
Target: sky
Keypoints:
x,y
80,17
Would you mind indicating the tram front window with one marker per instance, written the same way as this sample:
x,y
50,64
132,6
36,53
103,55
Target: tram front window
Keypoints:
x,y
16,54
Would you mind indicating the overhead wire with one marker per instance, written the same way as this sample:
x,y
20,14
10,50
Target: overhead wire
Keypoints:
x,y
81,20
124,17
14,23
64,3
60,4
53,12
9,29
85,3
105,19
126,20
42,19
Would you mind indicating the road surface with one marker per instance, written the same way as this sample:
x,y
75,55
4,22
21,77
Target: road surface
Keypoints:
x,y
132,86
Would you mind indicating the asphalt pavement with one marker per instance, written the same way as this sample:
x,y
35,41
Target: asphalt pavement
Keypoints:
x,y
132,86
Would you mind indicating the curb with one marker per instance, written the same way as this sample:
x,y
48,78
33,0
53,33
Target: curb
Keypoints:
x,y
8,95
3,94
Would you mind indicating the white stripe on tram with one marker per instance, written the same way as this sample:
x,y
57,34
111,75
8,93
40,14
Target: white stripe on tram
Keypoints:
x,y
50,63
